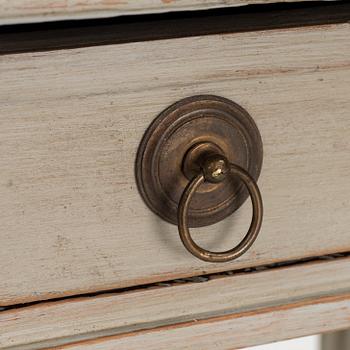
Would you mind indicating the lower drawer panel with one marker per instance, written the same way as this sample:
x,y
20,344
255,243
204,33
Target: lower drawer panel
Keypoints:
x,y
72,220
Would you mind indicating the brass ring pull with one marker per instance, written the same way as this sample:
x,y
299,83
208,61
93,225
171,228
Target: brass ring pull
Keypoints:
x,y
214,169
188,146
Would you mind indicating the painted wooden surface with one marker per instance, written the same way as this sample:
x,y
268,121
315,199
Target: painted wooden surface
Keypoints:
x,y
243,295
72,220
235,331
24,11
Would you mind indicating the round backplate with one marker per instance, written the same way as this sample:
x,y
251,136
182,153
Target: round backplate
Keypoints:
x,y
161,170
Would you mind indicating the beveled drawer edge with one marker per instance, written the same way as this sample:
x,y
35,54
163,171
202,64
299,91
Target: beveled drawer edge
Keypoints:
x,y
18,11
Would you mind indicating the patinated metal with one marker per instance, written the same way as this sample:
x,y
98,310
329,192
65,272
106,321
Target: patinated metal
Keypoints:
x,y
215,168
173,146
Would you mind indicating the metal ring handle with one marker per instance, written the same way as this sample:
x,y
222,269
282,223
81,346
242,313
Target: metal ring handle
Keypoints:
x,y
255,225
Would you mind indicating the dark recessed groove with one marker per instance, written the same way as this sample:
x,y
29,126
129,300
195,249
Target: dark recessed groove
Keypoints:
x,y
82,33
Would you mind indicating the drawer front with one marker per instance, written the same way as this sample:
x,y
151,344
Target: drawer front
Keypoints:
x,y
72,220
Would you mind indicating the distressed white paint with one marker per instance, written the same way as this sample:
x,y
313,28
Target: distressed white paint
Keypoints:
x,y
72,220
236,331
26,11
52,323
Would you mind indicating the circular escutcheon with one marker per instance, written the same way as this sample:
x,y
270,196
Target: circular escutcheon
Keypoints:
x,y
203,123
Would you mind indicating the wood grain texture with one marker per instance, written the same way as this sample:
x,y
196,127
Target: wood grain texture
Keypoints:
x,y
29,11
235,331
56,323
72,220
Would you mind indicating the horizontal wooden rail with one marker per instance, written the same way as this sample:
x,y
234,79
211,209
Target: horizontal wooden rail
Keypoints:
x,y
235,331
270,298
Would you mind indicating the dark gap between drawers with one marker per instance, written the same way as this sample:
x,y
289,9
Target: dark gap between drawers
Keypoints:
x,y
124,29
